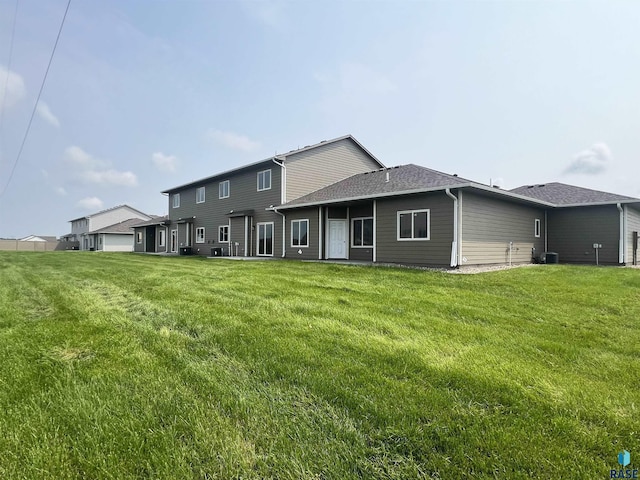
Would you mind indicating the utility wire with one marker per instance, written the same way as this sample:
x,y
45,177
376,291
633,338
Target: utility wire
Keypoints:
x,y
35,106
6,80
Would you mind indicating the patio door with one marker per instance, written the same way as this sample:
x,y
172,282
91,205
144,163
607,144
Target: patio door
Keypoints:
x,y
337,239
174,241
265,239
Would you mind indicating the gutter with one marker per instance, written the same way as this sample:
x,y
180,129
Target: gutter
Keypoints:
x,y
454,244
621,242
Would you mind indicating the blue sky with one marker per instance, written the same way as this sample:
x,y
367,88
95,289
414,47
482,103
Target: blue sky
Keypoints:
x,y
146,95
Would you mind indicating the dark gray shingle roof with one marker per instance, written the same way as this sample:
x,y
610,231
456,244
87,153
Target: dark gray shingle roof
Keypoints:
x,y
122,227
156,220
404,178
563,194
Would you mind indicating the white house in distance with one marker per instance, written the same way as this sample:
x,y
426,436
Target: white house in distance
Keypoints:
x,y
108,230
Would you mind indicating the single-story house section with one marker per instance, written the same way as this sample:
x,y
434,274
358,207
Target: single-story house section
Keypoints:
x,y
414,215
583,218
152,236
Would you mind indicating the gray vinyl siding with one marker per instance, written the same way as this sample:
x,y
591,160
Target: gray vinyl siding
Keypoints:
x,y
633,225
214,212
310,252
573,231
165,247
138,247
489,224
433,252
313,169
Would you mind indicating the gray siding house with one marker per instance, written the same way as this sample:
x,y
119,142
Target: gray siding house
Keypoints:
x,y
233,213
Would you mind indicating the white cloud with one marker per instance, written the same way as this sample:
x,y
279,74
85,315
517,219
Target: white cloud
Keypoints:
x,y
592,161
61,191
90,203
45,113
233,141
109,177
92,170
165,163
15,89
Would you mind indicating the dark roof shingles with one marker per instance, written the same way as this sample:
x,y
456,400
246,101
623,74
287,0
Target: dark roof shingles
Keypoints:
x,y
563,194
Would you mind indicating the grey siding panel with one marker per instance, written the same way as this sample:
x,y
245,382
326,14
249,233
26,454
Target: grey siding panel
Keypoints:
x,y
573,231
164,247
633,225
214,212
310,252
316,168
490,224
138,247
433,252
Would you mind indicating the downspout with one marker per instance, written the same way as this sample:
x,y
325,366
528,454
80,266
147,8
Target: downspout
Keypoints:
x,y
283,181
454,244
621,241
284,224
546,238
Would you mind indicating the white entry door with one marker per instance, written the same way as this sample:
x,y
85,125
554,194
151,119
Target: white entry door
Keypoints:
x,y
337,239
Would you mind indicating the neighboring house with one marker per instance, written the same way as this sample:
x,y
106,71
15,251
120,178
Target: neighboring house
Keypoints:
x,y
104,230
581,218
38,238
233,212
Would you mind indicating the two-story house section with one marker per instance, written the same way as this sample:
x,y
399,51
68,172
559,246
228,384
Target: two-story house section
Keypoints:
x,y
232,213
106,230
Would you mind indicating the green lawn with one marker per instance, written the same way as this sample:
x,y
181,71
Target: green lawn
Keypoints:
x,y
127,366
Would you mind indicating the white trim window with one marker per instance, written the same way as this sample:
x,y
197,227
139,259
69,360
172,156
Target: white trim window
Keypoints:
x,y
161,239
536,228
200,235
138,237
264,239
224,189
264,180
200,192
362,232
175,200
414,225
300,233
223,234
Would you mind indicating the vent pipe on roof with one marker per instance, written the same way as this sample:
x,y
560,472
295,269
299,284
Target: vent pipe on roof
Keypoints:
x,y
386,177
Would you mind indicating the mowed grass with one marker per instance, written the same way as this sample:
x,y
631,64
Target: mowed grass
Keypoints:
x,y
126,366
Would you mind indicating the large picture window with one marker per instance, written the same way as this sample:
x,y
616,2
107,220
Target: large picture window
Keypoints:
x,y
223,233
264,180
300,233
413,225
362,232
223,189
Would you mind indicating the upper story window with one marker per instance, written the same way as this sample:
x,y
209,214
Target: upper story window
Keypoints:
x,y
200,195
264,180
299,233
536,228
413,225
223,189
362,232
175,199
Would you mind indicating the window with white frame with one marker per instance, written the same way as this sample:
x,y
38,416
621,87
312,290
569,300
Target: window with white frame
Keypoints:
x,y
223,189
362,232
200,235
413,224
264,180
300,233
536,228
176,200
223,234
139,237
200,195
161,239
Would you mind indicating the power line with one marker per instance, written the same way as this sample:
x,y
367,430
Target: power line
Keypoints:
x,y
6,81
35,106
